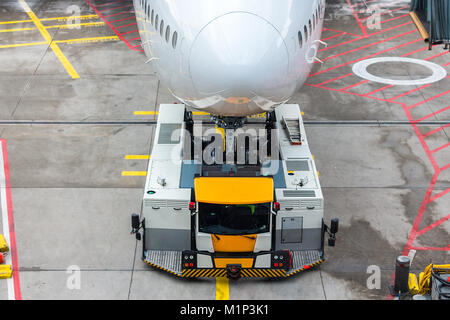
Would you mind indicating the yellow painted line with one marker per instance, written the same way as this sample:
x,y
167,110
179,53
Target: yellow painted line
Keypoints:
x,y
222,289
59,26
22,45
70,69
137,157
69,41
15,30
14,22
75,25
134,173
145,113
84,17
88,40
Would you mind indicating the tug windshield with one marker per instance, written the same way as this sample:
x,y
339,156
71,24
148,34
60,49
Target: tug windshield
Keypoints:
x,y
241,219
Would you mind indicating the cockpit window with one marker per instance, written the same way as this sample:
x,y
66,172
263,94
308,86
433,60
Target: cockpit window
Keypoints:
x,y
306,33
234,219
157,22
153,16
300,39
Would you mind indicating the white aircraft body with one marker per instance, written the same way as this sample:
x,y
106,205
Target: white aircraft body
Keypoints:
x,y
231,58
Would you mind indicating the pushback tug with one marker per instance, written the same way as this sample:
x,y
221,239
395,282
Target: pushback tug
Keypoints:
x,y
235,220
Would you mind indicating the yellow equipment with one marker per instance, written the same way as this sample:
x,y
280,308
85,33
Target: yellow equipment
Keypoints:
x,y
3,244
5,271
413,284
423,286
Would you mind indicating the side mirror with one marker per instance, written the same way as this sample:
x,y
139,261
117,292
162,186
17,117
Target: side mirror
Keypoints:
x,y
334,226
135,221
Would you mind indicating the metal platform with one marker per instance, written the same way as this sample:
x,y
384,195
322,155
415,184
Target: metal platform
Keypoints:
x,y
170,261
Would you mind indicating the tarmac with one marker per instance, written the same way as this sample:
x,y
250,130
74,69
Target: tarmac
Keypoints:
x,y
77,128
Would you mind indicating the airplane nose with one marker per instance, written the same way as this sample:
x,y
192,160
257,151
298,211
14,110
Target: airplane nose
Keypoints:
x,y
238,54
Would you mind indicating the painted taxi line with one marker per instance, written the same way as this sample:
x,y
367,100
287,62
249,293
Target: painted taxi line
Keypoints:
x,y
48,40
135,173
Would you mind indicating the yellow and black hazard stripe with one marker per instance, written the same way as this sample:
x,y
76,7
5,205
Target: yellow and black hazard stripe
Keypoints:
x,y
163,269
306,267
245,273
263,273
204,273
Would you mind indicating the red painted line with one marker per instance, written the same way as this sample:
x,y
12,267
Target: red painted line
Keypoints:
x,y
433,225
118,13
12,231
340,90
387,20
334,79
332,37
378,90
344,32
123,19
134,31
109,23
438,55
355,85
364,58
444,168
429,99
361,37
357,18
115,8
436,130
137,38
415,51
439,195
409,92
109,3
441,148
432,248
415,227
363,4
127,25
433,114
369,45
386,12
447,64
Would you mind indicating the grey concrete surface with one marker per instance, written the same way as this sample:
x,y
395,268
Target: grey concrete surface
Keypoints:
x,y
72,204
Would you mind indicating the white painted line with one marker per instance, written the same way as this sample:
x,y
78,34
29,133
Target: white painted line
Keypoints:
x,y
438,73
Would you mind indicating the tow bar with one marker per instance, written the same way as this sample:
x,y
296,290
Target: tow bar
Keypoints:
x,y
234,271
